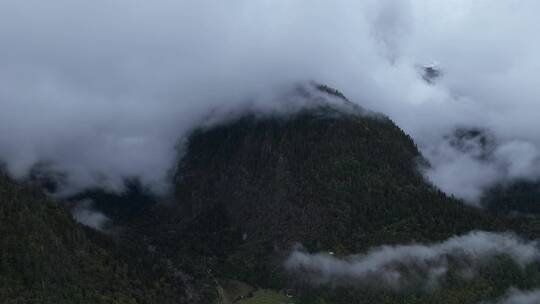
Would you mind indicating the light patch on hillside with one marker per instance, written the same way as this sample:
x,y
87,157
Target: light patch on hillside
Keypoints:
x,y
84,214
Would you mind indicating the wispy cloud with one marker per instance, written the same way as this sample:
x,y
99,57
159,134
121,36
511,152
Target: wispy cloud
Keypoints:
x,y
516,296
401,265
84,214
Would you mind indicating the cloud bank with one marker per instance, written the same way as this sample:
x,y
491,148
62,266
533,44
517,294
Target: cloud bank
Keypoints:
x,y
103,90
398,266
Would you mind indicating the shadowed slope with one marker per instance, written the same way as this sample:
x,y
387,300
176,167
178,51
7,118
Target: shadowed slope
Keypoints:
x,y
47,258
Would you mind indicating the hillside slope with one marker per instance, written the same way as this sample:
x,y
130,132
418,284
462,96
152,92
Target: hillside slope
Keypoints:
x,y
320,176
46,257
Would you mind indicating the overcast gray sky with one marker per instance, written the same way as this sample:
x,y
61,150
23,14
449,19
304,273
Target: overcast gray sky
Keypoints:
x,y
103,89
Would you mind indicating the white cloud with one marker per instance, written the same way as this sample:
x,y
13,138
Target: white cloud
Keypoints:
x,y
83,213
516,296
398,266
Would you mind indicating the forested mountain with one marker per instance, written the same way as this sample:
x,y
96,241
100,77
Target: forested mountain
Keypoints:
x,y
334,179
247,192
355,175
46,257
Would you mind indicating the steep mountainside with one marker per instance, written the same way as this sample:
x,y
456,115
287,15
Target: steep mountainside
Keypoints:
x,y
355,176
45,257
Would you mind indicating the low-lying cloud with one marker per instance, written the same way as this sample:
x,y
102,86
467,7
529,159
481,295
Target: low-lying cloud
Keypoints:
x,y
398,266
478,169
103,90
84,214
516,296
